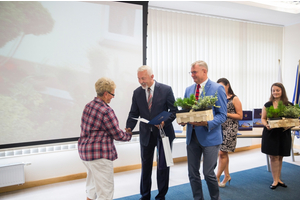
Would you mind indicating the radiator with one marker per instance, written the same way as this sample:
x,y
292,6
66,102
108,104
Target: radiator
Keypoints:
x,y
12,174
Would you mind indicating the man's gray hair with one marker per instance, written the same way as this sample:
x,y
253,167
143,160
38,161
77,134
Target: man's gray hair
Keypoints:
x,y
146,67
200,63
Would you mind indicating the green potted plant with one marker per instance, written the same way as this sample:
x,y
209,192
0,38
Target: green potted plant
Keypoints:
x,y
291,111
185,103
205,102
275,113
283,116
196,111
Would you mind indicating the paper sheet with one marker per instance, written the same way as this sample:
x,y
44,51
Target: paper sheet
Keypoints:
x,y
142,120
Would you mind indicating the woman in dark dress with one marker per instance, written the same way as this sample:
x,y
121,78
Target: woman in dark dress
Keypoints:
x,y
276,142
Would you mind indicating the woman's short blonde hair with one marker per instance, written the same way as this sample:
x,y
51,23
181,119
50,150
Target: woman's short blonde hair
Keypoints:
x,y
104,84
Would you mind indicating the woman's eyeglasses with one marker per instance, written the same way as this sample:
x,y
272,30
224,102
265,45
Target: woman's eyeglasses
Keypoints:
x,y
111,93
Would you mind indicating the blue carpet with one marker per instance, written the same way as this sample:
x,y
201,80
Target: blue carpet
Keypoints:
x,y
252,184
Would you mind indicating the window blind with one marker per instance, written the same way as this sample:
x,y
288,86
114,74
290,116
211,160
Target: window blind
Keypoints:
x,y
246,53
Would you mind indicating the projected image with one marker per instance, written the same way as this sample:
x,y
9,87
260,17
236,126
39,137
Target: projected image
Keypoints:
x,y
51,55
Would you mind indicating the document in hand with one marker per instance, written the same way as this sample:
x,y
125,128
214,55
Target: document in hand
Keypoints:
x,y
163,116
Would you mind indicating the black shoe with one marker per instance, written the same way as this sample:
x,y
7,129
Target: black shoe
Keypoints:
x,y
273,187
282,184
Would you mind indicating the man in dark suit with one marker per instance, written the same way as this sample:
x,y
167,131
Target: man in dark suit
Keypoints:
x,y
204,138
144,106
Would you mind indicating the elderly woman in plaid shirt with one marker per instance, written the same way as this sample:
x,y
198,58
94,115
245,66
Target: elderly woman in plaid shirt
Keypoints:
x,y
99,127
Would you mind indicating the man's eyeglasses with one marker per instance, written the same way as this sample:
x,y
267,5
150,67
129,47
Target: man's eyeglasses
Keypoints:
x,y
193,72
111,93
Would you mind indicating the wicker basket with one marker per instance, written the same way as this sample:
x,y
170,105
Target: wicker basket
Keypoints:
x,y
195,116
284,122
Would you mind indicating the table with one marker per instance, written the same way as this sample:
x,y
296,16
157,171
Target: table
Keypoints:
x,y
256,133
296,128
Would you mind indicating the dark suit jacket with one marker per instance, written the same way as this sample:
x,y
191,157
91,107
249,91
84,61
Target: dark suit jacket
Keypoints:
x,y
163,100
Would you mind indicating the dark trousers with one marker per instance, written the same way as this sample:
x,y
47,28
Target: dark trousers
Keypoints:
x,y
147,153
210,155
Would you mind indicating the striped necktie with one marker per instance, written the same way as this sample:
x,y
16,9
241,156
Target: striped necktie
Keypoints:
x,y
149,99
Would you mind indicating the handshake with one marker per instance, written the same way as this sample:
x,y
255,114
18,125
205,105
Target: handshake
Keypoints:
x,y
128,130
160,126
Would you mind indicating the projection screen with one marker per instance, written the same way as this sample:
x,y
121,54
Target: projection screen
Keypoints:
x,y
51,55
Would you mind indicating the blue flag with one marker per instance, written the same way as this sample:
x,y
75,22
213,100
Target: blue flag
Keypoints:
x,y
297,87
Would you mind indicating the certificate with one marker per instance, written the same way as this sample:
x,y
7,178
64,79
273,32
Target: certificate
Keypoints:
x,y
163,116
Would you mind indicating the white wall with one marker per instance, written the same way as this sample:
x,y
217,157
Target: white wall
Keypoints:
x,y
48,165
62,163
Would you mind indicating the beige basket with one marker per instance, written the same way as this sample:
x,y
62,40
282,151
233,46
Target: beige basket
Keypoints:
x,y
195,116
283,123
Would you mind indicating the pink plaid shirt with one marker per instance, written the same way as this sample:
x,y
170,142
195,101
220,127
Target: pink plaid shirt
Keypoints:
x,y
99,127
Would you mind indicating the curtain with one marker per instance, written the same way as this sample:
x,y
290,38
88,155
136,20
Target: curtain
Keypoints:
x,y
246,53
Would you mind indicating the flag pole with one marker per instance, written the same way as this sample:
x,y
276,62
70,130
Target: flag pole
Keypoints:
x,y
279,72
296,94
280,76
